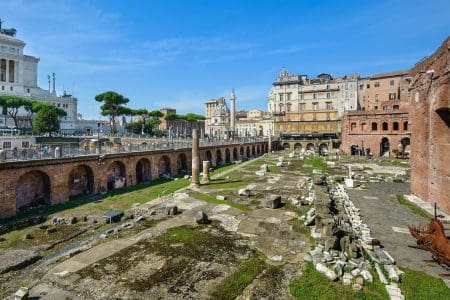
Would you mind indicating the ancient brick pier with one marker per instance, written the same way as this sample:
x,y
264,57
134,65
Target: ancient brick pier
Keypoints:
x,y
430,130
26,183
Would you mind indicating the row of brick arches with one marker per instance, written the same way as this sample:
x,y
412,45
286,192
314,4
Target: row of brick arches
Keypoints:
x,y
307,146
40,186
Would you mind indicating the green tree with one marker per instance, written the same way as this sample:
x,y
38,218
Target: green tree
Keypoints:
x,y
13,104
155,114
113,106
47,119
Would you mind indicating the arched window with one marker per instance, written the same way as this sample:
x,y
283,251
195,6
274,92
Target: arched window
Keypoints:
x,y
405,125
363,126
374,126
385,126
395,126
395,107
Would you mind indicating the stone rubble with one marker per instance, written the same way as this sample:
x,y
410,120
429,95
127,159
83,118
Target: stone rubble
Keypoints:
x,y
338,229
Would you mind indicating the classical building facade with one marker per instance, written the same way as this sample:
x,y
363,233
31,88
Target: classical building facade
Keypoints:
x,y
19,76
217,114
308,112
430,128
381,125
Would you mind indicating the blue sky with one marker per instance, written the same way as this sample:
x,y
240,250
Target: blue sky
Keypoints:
x,y
182,53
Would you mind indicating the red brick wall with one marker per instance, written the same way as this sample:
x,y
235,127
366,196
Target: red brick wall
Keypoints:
x,y
18,185
363,135
430,118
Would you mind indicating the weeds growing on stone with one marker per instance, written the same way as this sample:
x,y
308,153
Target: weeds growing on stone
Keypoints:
x,y
415,209
211,199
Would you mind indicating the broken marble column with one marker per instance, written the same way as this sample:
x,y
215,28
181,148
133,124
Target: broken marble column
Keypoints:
x,y
270,144
206,166
195,181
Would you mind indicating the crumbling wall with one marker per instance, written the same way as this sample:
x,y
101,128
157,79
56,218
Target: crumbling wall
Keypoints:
x,y
430,128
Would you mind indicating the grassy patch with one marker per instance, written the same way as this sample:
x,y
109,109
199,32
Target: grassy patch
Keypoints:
x,y
315,162
210,199
394,162
414,208
418,285
117,199
314,285
233,285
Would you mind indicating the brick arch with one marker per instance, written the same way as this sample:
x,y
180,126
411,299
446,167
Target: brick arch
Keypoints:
x,y
143,170
227,156
286,146
235,154
32,189
116,175
247,151
242,152
182,163
81,180
310,146
164,165
219,157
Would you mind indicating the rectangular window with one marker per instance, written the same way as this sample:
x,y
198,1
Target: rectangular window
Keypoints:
x,y
11,70
329,105
328,95
377,84
4,110
6,145
301,96
289,97
281,97
314,96
368,86
59,105
377,97
391,82
301,106
392,96
328,86
25,144
3,69
315,105
361,86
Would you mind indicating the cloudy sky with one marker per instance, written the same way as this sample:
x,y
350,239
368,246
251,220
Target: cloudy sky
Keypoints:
x,y
182,53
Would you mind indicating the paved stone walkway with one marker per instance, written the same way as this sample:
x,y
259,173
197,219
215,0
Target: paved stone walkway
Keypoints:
x,y
389,222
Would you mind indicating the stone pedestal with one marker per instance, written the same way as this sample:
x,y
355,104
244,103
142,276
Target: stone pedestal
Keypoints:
x,y
195,159
206,166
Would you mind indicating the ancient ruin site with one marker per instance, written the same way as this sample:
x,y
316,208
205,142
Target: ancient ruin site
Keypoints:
x,y
225,150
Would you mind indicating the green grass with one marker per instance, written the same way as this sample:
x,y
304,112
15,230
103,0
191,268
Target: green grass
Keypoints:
x,y
316,162
232,286
314,285
418,285
402,163
414,208
211,199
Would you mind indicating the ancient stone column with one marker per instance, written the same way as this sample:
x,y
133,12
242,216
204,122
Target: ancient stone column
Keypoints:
x,y
206,166
270,144
195,159
233,115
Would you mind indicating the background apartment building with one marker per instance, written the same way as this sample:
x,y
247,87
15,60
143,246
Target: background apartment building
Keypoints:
x,y
308,112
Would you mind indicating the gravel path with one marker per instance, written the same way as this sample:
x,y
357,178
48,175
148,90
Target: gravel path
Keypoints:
x,y
389,222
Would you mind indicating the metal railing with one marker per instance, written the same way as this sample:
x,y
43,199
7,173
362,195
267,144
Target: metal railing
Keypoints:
x,y
145,145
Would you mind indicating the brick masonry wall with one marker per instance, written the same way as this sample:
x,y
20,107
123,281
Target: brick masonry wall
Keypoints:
x,y
363,135
430,118
18,178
